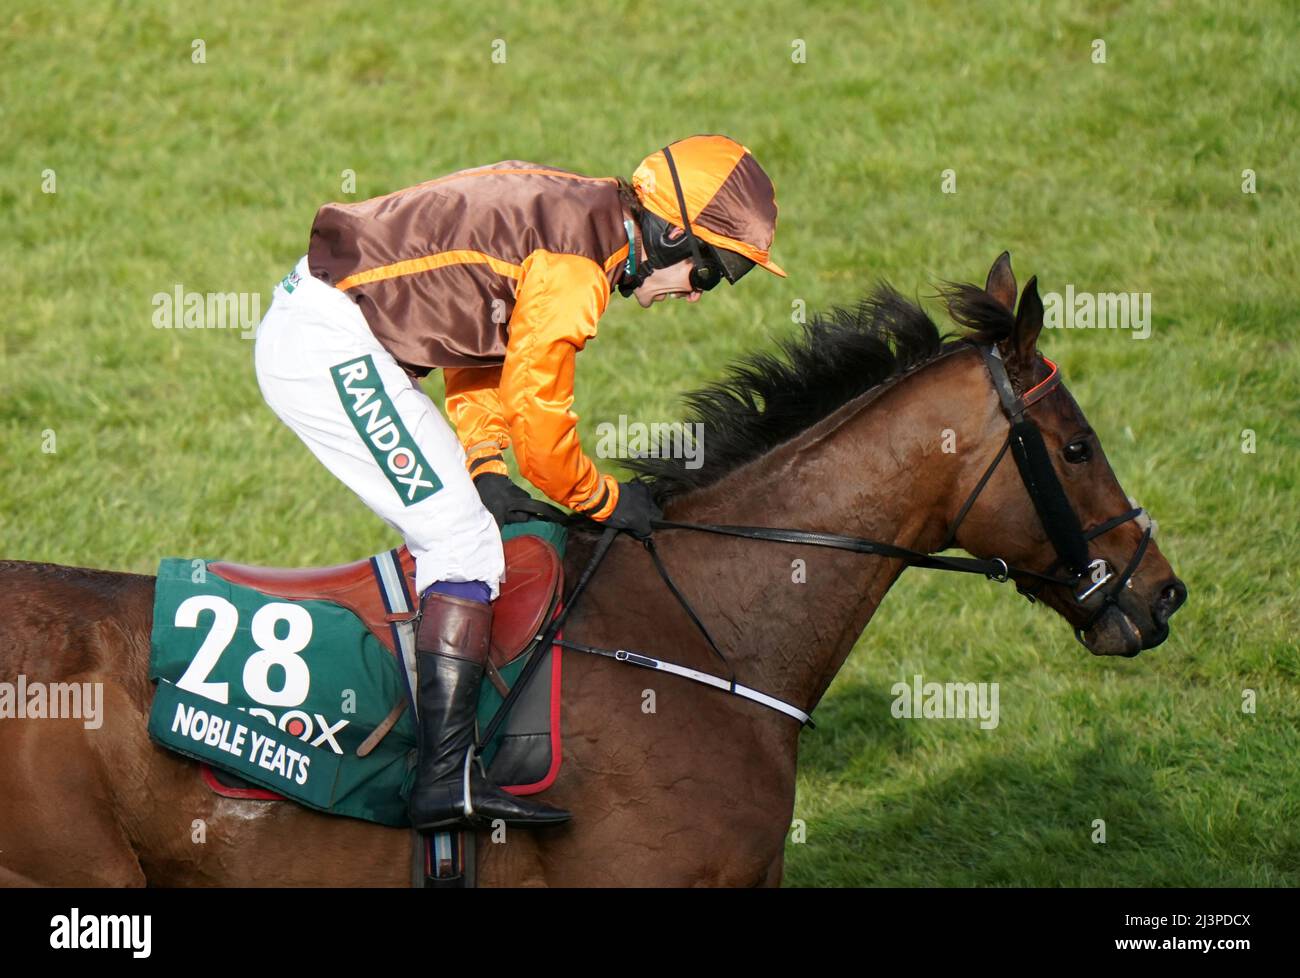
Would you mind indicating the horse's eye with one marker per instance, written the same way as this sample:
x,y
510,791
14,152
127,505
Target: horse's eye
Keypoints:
x,y
1078,451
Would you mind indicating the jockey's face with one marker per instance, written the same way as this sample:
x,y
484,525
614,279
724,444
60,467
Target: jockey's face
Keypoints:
x,y
665,283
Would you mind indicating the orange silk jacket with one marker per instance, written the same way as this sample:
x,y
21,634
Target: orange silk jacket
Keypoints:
x,y
499,276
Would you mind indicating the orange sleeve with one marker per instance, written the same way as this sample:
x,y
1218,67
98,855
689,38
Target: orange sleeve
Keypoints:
x,y
474,407
557,307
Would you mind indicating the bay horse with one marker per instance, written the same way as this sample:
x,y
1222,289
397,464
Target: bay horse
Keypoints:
x,y
871,423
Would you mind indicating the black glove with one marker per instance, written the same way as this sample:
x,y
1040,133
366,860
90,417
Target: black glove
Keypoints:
x,y
503,498
634,510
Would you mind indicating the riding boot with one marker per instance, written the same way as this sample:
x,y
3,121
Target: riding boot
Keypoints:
x,y
452,644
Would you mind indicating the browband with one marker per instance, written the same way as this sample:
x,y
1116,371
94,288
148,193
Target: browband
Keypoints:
x,y
1015,406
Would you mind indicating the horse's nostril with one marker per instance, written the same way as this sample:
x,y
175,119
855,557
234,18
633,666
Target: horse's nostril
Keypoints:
x,y
1171,598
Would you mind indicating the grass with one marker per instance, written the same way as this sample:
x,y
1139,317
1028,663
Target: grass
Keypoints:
x,y
1124,175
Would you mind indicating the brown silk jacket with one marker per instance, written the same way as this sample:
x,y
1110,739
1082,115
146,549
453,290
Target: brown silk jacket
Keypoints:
x,y
499,276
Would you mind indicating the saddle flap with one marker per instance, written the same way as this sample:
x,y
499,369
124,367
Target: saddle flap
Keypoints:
x,y
534,578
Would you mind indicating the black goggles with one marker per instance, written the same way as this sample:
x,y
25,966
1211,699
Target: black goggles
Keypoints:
x,y
714,265
709,265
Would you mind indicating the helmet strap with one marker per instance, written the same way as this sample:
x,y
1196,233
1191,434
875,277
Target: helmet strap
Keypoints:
x,y
701,271
703,275
681,206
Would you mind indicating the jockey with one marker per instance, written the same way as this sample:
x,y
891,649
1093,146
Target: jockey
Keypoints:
x,y
498,275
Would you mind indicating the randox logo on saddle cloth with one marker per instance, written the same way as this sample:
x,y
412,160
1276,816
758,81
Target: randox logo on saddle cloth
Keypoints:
x,y
380,427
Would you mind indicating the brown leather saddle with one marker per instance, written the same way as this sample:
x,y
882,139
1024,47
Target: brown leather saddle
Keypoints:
x,y
529,592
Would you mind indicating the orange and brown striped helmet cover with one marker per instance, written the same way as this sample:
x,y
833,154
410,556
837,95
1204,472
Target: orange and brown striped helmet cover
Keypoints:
x,y
730,201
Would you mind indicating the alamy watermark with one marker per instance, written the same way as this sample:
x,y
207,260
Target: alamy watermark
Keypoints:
x,y
1098,310
658,439
920,700
23,700
75,931
181,309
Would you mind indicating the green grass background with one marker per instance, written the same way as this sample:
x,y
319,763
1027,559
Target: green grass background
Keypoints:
x,y
1125,176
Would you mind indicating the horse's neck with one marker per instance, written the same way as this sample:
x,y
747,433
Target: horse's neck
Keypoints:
x,y
879,469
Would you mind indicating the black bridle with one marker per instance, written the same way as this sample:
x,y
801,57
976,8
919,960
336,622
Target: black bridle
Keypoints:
x,y
1056,513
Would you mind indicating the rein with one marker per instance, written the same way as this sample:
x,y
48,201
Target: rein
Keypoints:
x,y
1024,440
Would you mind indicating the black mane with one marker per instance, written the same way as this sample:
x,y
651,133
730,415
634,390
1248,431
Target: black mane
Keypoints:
x,y
766,399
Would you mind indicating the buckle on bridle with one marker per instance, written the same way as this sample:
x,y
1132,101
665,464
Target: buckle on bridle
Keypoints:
x,y
1082,597
1000,576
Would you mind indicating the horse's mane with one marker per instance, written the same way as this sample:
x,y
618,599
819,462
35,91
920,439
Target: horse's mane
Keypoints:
x,y
766,399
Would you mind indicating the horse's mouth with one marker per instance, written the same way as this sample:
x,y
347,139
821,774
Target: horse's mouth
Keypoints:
x,y
1117,633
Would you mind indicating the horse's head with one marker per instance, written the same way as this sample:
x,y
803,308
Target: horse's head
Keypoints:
x,y
1059,511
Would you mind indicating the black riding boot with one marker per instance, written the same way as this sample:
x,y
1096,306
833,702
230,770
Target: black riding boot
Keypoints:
x,y
452,645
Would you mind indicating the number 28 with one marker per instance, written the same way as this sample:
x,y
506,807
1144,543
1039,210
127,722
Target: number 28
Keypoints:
x,y
271,650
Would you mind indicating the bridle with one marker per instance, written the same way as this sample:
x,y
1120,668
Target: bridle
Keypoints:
x,y
1061,523
1057,514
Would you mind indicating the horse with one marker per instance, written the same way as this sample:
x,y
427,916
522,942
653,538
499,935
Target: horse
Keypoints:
x,y
851,430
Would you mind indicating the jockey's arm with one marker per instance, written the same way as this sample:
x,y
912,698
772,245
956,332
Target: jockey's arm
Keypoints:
x,y
475,410
557,307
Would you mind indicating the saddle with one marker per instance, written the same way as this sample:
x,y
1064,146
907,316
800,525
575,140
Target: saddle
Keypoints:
x,y
534,577
343,743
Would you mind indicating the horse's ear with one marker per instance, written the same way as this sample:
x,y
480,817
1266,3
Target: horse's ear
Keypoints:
x,y
1022,344
1001,283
